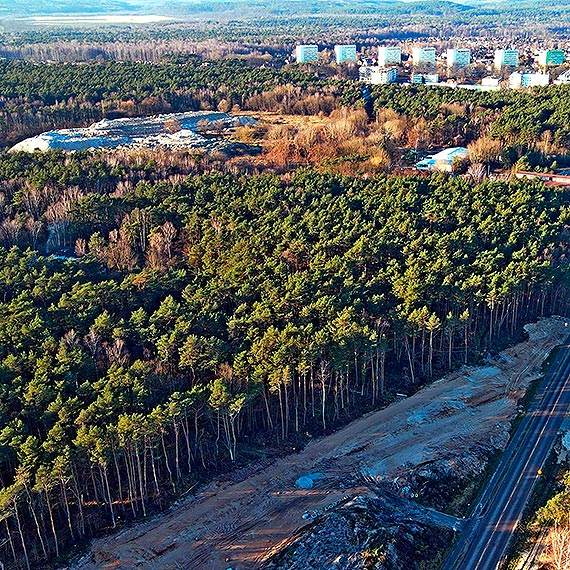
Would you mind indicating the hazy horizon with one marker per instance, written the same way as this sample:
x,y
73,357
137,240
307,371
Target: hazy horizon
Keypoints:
x,y
22,8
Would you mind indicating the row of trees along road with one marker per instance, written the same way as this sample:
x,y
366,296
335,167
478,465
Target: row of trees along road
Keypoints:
x,y
252,311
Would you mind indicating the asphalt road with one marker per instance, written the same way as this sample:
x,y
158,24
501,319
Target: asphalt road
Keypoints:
x,y
485,538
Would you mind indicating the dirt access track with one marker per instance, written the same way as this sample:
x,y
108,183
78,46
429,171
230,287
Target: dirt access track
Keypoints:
x,y
239,525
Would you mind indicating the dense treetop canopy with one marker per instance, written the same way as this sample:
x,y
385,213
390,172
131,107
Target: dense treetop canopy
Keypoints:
x,y
206,310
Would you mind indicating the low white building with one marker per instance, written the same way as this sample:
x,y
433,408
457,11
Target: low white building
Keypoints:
x,y
425,78
443,160
376,75
528,79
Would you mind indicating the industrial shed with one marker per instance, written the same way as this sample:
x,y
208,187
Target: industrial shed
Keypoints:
x,y
442,160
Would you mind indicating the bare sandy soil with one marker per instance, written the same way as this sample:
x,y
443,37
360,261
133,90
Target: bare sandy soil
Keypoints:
x,y
174,131
239,525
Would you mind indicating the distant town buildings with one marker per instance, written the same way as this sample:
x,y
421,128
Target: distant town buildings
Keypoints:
x,y
423,55
527,79
306,53
378,75
458,57
345,53
383,70
389,55
551,57
506,58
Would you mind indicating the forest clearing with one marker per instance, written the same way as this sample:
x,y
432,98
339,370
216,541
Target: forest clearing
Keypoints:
x,y
172,131
241,523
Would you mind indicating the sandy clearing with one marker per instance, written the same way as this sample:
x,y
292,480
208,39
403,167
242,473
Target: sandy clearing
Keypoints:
x,y
239,525
138,132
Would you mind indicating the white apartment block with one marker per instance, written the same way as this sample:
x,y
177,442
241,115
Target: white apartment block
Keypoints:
x,y
425,55
551,57
345,53
458,57
306,53
506,58
389,55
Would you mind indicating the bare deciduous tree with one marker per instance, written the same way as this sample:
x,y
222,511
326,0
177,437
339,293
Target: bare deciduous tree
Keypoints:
x,y
558,541
485,150
477,172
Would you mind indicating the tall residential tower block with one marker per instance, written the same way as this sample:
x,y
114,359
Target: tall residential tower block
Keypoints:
x,y
506,58
344,53
306,53
458,57
423,55
389,55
